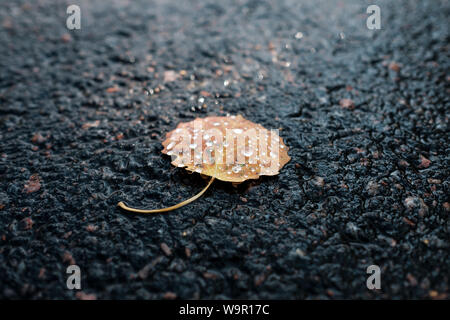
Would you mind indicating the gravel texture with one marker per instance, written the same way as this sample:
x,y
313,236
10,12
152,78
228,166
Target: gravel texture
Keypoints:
x,y
364,112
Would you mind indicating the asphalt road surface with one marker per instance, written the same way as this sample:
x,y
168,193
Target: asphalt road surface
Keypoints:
x,y
364,113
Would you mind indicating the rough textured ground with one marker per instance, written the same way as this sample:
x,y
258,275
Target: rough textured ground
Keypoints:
x,y
364,112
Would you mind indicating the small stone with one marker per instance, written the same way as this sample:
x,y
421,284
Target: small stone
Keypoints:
x,y
165,248
67,257
91,228
403,163
66,37
412,224
92,124
412,280
416,202
41,274
187,251
170,76
169,296
85,296
298,35
143,273
347,103
259,279
424,162
352,228
319,181
27,223
37,138
394,66
372,188
210,275
112,89
33,184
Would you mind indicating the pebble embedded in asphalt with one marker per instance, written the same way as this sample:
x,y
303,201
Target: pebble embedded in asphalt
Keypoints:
x,y
364,113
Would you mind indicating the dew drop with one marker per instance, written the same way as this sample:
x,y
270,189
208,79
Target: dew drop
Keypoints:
x,y
236,169
171,145
247,153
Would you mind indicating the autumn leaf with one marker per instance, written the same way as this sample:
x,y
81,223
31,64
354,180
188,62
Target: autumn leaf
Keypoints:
x,y
226,139
228,148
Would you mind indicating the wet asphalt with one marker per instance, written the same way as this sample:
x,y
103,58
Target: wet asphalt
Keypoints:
x,y
364,113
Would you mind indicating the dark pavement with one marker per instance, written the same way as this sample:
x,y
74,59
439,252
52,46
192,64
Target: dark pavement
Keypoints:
x,y
364,113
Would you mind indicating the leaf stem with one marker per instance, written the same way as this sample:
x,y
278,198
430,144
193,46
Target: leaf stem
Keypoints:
x,y
179,205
